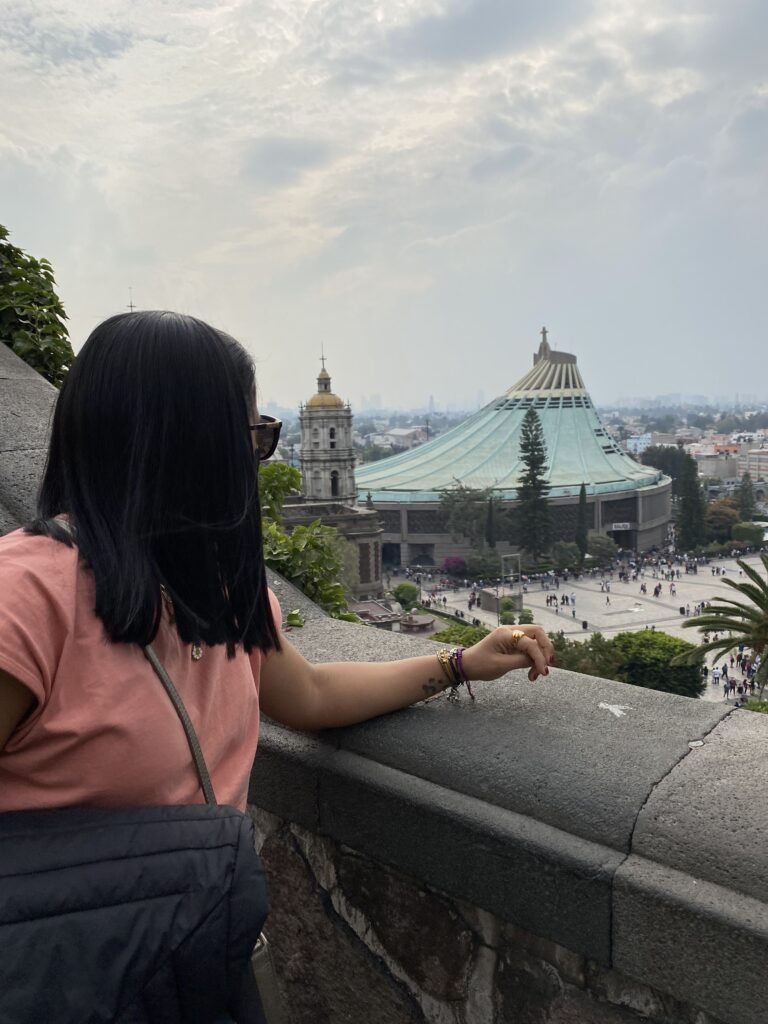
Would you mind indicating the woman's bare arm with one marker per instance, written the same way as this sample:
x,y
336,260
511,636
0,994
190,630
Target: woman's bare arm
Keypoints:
x,y
305,696
16,702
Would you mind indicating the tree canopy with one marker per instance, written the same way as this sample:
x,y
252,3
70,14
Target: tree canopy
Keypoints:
x,y
670,459
720,518
641,658
31,313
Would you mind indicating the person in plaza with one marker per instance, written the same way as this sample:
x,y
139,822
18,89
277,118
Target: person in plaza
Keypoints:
x,y
149,532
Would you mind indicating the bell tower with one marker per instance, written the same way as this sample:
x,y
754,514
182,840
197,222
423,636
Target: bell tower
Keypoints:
x,y
326,456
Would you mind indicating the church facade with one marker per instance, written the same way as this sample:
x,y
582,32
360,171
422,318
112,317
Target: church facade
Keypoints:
x,y
627,501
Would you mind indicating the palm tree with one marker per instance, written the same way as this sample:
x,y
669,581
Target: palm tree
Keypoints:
x,y
745,621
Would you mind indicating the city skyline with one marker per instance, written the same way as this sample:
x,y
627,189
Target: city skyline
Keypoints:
x,y
415,185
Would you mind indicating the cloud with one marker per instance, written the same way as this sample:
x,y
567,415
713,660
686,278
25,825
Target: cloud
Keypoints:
x,y
275,160
504,162
429,179
475,29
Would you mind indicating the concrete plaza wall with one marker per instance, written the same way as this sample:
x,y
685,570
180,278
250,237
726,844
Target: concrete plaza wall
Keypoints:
x,y
570,851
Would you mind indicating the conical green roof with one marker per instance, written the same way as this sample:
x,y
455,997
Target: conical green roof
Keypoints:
x,y
484,450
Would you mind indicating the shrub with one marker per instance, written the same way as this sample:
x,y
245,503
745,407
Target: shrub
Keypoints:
x,y
463,636
487,567
641,658
507,619
407,595
526,617
749,533
455,565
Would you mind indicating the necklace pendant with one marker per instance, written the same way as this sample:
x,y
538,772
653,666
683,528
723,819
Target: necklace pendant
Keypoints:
x,y
197,652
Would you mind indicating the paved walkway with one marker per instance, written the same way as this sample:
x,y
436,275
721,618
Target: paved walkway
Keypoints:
x,y
628,608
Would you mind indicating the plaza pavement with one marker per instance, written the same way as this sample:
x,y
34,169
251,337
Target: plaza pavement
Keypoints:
x,y
628,610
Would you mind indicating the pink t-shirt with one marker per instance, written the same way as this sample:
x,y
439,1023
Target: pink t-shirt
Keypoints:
x,y
104,732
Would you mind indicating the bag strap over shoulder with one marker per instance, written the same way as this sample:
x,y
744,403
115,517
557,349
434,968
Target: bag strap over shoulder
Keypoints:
x,y
178,703
186,721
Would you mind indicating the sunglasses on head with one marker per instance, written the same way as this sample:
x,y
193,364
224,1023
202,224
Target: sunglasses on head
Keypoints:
x,y
267,434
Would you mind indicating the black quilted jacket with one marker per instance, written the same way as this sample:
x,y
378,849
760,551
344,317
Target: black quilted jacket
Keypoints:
x,y
134,916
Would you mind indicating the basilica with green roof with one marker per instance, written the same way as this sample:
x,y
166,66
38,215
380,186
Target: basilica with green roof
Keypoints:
x,y
626,500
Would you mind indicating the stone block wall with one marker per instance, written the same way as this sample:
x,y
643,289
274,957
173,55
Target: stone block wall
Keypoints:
x,y
356,941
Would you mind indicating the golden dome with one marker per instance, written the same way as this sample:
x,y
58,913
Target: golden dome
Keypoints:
x,y
325,400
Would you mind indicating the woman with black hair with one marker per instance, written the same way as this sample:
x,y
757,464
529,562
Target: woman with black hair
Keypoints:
x,y
149,532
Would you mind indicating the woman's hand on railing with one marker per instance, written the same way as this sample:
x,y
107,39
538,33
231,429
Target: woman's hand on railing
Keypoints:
x,y
508,648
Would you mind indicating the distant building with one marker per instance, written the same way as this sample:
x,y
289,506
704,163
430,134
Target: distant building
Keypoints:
x,y
716,466
638,444
327,462
626,500
755,463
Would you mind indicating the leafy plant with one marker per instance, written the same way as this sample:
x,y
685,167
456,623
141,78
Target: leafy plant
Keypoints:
x,y
742,621
311,558
31,313
526,617
507,619
277,480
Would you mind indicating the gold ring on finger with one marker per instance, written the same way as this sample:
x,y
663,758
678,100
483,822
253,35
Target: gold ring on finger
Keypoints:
x,y
517,635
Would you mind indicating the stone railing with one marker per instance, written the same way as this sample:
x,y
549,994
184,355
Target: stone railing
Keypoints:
x,y
575,851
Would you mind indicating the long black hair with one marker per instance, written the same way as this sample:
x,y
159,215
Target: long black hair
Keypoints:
x,y
151,460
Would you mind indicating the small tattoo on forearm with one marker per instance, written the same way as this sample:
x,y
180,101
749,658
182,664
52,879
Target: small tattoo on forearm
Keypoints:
x,y
433,686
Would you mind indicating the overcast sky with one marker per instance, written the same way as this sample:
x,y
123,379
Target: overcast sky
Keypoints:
x,y
417,185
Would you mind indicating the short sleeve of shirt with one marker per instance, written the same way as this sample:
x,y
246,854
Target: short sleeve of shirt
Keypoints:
x,y
36,608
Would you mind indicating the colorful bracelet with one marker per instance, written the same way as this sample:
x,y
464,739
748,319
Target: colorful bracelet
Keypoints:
x,y
452,665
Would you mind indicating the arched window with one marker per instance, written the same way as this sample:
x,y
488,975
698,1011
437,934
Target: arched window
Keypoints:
x,y
334,484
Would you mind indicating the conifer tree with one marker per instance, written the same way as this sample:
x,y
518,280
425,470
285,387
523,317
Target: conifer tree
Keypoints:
x,y
490,522
582,530
690,518
746,498
533,510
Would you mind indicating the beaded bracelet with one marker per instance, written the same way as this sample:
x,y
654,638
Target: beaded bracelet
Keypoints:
x,y
452,665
